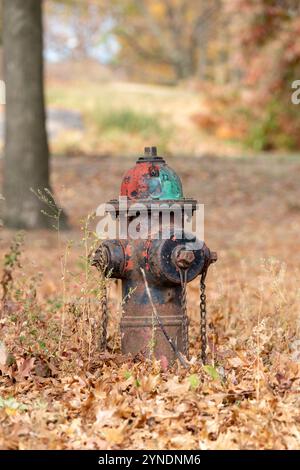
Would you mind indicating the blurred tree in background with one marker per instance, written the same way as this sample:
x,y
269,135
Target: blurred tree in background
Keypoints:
x,y
26,153
26,147
76,30
152,40
265,41
264,60
244,53
168,35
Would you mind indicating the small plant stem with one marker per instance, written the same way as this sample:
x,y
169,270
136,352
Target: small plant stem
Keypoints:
x,y
161,325
86,301
64,272
258,351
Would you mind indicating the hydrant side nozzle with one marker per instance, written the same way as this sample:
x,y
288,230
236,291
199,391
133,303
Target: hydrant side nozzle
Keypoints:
x,y
109,258
167,257
99,258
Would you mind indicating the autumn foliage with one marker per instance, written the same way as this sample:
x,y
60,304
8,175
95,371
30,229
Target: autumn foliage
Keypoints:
x,y
243,55
264,58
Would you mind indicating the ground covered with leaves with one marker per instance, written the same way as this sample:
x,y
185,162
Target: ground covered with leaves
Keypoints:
x,y
58,391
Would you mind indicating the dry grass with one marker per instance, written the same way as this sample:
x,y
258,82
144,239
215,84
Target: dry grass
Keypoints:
x,y
58,391
121,117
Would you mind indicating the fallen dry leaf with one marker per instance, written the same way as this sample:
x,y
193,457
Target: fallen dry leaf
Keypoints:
x,y
114,435
3,354
25,367
104,417
235,362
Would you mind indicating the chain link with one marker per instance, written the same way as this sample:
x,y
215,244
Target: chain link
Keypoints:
x,y
185,321
203,315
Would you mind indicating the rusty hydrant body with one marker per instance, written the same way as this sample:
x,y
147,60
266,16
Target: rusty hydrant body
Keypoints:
x,y
153,239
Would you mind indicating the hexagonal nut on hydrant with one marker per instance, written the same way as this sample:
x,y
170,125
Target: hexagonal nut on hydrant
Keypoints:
x,y
184,258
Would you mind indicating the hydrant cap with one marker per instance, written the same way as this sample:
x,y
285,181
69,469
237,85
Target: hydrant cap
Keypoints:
x,y
151,178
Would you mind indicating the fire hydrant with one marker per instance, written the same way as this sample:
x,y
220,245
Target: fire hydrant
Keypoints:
x,y
155,257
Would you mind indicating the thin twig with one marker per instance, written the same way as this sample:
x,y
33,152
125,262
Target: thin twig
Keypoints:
x,y
161,325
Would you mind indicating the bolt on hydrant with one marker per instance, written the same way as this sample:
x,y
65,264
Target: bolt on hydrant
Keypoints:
x,y
155,256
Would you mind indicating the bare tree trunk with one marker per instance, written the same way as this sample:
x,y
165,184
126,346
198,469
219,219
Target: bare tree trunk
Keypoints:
x,y
26,155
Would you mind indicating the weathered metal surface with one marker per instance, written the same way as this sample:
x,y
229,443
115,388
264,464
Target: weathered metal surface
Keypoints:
x,y
110,258
163,260
151,178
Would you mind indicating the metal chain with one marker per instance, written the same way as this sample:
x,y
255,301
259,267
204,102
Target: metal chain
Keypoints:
x,y
185,322
100,262
104,317
203,315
